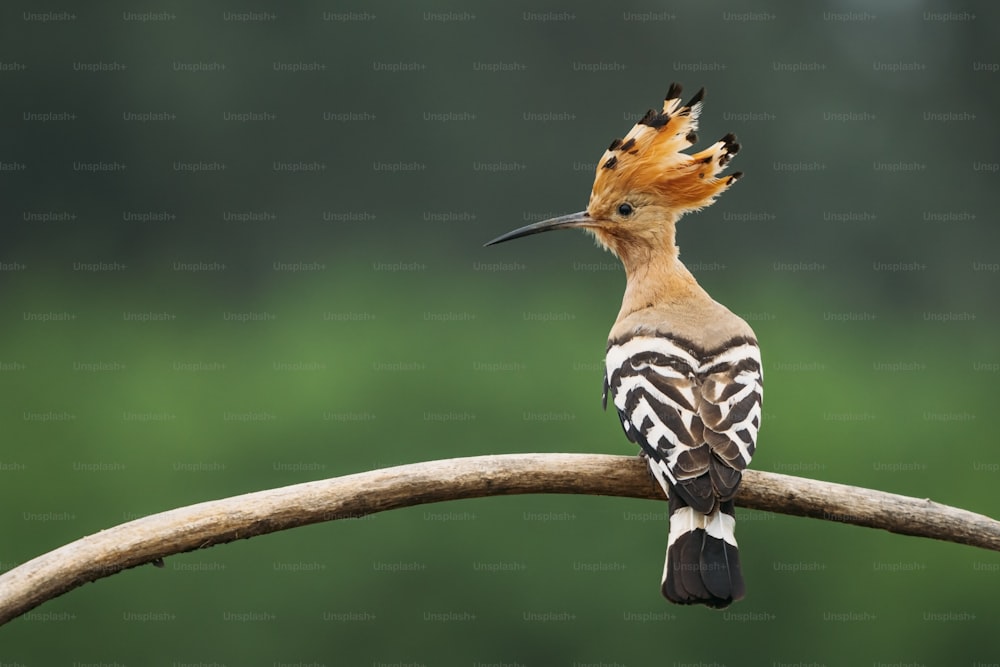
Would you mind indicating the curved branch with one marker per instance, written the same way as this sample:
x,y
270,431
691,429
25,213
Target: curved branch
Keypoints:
x,y
149,539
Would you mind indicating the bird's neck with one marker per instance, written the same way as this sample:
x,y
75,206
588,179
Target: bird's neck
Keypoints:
x,y
657,278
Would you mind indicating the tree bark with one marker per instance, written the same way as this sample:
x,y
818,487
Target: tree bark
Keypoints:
x,y
151,538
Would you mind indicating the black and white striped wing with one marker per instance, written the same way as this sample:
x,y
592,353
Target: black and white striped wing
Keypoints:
x,y
695,413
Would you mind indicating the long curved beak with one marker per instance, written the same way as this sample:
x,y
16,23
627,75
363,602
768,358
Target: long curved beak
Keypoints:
x,y
580,219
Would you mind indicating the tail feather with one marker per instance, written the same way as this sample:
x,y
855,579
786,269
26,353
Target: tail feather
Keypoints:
x,y
703,561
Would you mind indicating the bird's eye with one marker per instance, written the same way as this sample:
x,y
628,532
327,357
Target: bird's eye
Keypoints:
x,y
625,209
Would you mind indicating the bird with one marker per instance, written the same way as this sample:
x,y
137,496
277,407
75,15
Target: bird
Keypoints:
x,y
683,371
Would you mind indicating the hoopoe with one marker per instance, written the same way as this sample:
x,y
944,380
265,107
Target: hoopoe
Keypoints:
x,y
683,370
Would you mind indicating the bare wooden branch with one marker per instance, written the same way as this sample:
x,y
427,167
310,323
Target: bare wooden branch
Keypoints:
x,y
206,524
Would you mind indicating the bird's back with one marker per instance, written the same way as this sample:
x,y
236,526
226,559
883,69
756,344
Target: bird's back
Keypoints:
x,y
703,323
687,383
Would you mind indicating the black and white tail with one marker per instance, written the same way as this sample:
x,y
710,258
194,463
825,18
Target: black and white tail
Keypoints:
x,y
703,561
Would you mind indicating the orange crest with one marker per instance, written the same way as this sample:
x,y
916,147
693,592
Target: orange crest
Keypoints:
x,y
649,161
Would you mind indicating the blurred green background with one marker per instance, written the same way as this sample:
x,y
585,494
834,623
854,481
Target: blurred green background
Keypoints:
x,y
242,249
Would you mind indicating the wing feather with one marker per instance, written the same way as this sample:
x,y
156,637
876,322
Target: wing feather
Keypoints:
x,y
695,414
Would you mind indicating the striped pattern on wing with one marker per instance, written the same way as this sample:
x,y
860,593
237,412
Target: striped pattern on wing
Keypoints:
x,y
694,412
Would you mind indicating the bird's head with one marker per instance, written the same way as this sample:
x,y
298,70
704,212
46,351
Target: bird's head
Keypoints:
x,y
644,183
